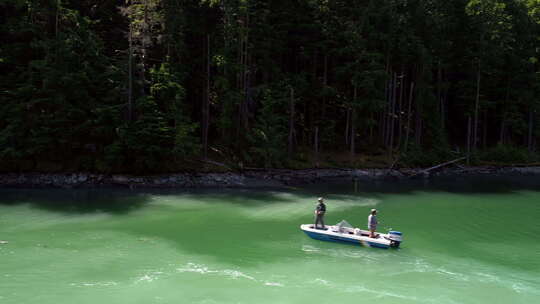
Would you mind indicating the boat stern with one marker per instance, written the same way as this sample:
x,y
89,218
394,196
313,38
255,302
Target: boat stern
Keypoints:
x,y
395,237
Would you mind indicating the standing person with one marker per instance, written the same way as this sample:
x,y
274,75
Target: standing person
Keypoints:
x,y
372,223
319,212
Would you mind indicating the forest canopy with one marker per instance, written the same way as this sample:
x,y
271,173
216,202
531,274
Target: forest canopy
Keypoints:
x,y
148,86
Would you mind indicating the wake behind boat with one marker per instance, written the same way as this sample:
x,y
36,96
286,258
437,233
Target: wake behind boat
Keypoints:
x,y
343,232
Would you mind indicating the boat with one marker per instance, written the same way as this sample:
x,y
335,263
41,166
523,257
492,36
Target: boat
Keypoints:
x,y
343,232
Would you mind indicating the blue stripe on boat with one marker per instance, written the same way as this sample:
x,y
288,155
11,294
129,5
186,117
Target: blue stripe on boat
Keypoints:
x,y
338,239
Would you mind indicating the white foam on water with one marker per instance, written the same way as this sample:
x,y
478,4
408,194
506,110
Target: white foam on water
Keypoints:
x,y
519,288
486,277
418,265
146,278
453,275
195,268
309,248
515,284
322,282
92,284
192,267
369,255
379,293
229,273
235,274
149,277
475,273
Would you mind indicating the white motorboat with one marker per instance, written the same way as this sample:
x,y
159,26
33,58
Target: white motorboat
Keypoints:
x,y
343,232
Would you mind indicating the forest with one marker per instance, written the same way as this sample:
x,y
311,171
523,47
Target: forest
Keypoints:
x,y
153,86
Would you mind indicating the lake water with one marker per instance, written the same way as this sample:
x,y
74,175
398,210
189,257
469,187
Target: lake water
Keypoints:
x,y
466,241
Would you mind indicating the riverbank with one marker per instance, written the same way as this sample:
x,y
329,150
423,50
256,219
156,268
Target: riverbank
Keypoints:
x,y
248,178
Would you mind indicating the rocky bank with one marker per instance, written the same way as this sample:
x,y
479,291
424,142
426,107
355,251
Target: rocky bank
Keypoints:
x,y
246,179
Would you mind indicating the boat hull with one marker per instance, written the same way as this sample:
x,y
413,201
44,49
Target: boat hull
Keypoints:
x,y
331,234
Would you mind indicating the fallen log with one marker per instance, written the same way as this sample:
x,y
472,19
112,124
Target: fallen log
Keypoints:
x,y
215,163
438,166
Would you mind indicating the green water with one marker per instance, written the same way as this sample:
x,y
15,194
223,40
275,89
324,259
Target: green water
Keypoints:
x,y
466,241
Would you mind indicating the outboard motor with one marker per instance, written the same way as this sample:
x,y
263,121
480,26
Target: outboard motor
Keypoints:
x,y
395,238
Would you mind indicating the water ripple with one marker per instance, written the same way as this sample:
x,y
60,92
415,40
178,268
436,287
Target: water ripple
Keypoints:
x,y
231,273
149,277
92,284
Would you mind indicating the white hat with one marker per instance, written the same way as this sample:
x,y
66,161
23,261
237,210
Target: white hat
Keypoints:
x,y
373,210
320,199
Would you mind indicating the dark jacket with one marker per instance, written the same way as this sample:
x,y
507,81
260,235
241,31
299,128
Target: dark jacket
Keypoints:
x,y
321,207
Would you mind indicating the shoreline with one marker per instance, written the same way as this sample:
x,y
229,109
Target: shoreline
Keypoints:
x,y
248,178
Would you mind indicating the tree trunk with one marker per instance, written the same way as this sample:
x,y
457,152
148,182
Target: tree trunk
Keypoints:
x,y
530,134
503,122
409,110
242,78
476,106
316,147
384,117
392,115
400,108
56,30
484,130
291,125
130,72
206,101
502,131
353,126
388,100
444,101
468,139
347,131
145,36
56,21
246,73
372,115
353,132
418,127
439,93
325,85
317,103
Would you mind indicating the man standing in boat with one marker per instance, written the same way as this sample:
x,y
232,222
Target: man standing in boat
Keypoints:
x,y
319,213
372,223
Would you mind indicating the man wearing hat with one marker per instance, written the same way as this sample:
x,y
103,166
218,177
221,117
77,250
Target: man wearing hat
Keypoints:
x,y
372,223
319,212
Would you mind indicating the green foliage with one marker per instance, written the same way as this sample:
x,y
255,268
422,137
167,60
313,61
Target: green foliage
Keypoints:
x,y
417,156
268,137
161,131
49,113
508,154
88,85
170,95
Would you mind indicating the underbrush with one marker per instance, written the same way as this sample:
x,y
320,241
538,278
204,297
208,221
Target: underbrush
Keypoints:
x,y
507,154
